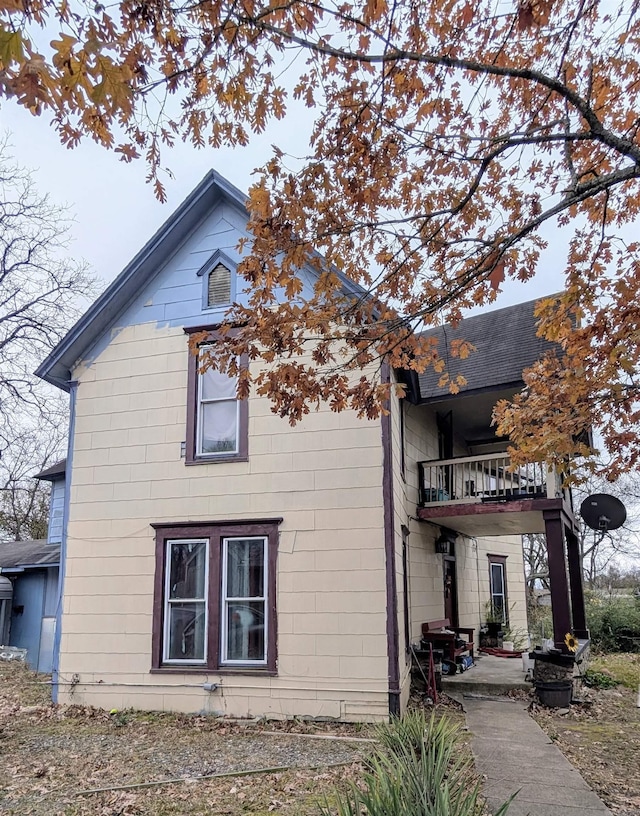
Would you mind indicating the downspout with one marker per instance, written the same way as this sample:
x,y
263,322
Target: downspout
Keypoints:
x,y
63,543
390,553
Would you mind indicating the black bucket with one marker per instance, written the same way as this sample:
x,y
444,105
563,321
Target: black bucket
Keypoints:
x,y
555,693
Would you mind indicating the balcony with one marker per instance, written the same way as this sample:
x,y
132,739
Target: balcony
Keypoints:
x,y
481,495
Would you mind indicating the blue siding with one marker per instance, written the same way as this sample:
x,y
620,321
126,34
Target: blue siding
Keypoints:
x,y
56,512
28,596
51,592
48,622
174,296
212,217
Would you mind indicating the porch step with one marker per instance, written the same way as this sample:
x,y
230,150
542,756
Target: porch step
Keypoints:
x,y
490,676
484,688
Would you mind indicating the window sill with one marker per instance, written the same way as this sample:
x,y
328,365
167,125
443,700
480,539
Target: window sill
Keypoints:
x,y
248,671
215,461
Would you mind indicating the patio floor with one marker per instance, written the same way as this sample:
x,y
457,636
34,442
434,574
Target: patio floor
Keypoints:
x,y
490,675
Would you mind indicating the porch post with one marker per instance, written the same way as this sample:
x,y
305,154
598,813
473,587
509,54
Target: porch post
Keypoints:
x,y
575,582
560,607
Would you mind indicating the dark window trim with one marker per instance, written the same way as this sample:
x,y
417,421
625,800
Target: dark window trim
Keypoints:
x,y
215,531
406,614
403,420
191,457
221,671
499,559
218,257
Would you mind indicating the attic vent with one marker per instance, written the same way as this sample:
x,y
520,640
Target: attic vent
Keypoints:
x,y
219,288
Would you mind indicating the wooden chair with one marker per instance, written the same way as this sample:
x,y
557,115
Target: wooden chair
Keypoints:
x,y
446,641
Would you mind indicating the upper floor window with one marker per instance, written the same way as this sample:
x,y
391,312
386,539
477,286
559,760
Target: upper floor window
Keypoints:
x,y
217,422
218,281
218,415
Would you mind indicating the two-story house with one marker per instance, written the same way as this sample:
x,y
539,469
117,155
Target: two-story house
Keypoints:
x,y
214,558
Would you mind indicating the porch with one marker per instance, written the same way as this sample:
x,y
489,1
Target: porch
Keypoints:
x,y
482,495
489,676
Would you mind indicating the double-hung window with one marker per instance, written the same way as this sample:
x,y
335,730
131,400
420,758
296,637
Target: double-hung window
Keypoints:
x,y
217,422
498,585
215,596
185,613
244,620
218,415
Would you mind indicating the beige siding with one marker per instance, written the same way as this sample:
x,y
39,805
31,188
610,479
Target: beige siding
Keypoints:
x,y
324,477
425,565
425,570
510,546
473,580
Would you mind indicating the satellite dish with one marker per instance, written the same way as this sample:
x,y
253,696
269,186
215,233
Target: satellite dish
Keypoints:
x,y
603,512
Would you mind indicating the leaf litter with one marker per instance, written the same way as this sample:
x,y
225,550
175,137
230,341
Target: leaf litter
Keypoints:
x,y
601,738
52,754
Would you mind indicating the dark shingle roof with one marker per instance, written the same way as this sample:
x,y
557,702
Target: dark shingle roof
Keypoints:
x,y
53,473
17,554
506,344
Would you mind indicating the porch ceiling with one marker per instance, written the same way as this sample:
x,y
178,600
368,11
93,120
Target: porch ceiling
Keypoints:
x,y
492,518
472,415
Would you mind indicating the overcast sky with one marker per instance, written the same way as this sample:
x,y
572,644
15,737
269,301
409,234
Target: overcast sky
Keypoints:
x,y
115,211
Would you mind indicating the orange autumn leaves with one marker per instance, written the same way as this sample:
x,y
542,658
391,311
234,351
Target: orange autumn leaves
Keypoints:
x,y
446,137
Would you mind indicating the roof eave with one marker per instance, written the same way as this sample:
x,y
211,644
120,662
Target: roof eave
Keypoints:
x,y
53,473
19,568
472,392
56,368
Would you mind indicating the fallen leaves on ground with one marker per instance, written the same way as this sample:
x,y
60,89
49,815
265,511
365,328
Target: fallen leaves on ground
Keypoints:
x,y
51,755
601,737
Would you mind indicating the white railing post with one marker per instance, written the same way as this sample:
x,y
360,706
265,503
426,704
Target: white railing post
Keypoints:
x,y
553,488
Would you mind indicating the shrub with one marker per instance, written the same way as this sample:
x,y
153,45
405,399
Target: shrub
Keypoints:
x,y
418,770
598,679
540,622
614,623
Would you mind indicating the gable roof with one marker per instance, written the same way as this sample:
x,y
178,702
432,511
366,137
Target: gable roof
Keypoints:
x,y
97,319
506,343
212,190
15,556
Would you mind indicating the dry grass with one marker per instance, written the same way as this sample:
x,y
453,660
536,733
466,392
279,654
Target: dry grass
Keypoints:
x,y
602,737
51,754
625,668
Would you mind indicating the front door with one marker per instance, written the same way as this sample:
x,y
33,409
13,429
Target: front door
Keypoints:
x,y
450,590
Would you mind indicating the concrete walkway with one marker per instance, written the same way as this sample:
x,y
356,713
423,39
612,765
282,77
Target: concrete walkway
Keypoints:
x,y
514,753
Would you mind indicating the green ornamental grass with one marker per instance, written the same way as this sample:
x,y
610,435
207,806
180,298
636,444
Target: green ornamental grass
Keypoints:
x,y
417,770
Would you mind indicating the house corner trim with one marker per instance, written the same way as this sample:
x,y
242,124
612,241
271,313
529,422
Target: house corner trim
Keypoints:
x,y
389,549
57,637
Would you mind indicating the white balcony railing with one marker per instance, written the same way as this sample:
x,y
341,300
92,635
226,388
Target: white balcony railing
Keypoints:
x,y
469,479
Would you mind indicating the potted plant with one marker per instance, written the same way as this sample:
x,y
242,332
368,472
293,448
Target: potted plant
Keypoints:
x,y
493,618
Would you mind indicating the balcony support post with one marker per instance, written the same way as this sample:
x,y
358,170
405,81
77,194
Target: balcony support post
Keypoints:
x,y
575,582
558,584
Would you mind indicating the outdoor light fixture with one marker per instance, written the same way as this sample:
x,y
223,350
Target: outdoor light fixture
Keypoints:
x,y
445,541
442,545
